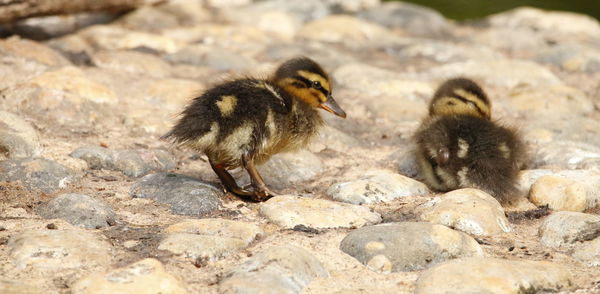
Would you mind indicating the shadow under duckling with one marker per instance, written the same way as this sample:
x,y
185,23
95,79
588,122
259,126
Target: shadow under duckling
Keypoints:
x,y
458,146
243,122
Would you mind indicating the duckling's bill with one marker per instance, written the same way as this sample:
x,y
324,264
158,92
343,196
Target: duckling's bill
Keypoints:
x,y
332,106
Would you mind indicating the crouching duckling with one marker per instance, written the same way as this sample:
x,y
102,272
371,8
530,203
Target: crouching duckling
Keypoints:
x,y
243,122
458,146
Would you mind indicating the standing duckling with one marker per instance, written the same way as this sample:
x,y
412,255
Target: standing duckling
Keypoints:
x,y
243,122
458,146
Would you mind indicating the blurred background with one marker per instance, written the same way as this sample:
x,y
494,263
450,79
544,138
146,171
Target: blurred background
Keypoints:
x,y
466,9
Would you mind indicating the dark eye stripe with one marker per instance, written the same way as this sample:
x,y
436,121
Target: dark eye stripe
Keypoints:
x,y
471,103
309,83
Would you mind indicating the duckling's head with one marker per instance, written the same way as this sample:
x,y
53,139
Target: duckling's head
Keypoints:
x,y
460,96
307,81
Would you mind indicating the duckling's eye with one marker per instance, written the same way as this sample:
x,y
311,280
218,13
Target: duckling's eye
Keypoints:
x,y
317,85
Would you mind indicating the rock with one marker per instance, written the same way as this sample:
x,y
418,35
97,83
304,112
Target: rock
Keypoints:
x,y
517,42
132,62
79,210
286,169
149,19
333,139
376,186
37,174
73,47
588,252
133,163
73,80
407,246
590,179
147,276
58,250
32,51
343,29
415,19
18,139
574,58
444,52
16,287
96,157
62,108
405,161
551,22
220,59
373,81
137,163
559,193
48,27
499,72
114,38
227,3
285,270
174,93
559,101
494,275
209,239
385,93
567,154
301,11
276,20
468,210
352,6
290,211
186,195
565,228
526,178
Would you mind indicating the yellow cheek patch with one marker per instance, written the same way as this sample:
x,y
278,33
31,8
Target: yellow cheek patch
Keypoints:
x,y
316,77
318,95
227,105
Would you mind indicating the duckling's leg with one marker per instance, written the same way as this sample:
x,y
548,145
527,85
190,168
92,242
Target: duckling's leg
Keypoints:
x,y
229,182
261,191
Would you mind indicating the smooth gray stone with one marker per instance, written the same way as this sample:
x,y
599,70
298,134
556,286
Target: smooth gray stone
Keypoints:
x,y
37,174
407,246
79,210
186,195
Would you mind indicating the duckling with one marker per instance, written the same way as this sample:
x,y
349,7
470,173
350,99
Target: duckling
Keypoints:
x,y
459,146
243,122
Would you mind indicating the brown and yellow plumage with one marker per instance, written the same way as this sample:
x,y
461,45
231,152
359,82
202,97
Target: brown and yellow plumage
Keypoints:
x,y
245,121
458,146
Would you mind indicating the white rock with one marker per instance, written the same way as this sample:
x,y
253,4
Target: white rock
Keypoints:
x,y
208,239
566,227
588,252
500,72
376,186
343,28
58,250
132,62
283,270
547,21
147,276
469,210
494,275
526,178
559,193
18,139
558,101
290,211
